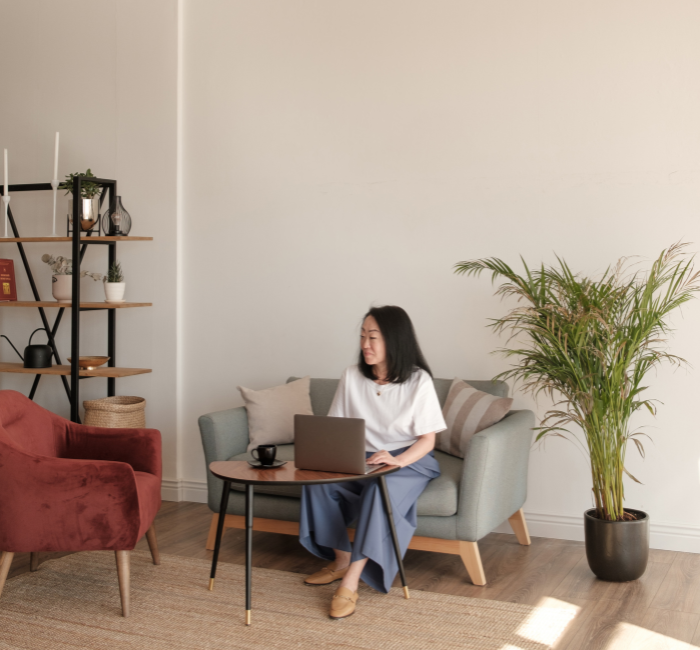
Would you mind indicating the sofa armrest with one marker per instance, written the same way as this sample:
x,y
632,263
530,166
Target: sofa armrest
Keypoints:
x,y
494,477
224,434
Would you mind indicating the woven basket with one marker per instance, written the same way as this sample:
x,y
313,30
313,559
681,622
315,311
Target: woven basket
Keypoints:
x,y
116,412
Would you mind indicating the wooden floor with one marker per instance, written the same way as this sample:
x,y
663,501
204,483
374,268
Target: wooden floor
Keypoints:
x,y
661,610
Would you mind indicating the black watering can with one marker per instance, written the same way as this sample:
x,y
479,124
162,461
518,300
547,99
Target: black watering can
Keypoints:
x,y
35,356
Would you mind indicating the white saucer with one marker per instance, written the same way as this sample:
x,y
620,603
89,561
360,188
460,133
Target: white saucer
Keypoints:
x,y
115,301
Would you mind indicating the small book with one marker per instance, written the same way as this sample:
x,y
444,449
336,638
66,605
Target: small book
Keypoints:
x,y
8,286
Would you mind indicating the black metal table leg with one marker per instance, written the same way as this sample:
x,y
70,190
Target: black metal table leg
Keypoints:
x,y
248,550
219,532
392,527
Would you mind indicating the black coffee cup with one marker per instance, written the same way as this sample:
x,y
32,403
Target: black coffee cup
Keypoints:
x,y
266,454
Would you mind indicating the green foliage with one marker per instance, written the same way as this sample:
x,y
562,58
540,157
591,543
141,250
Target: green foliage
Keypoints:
x,y
115,273
589,344
87,189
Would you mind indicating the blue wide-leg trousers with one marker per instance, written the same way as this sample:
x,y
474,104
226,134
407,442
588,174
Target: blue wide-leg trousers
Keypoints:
x,y
327,510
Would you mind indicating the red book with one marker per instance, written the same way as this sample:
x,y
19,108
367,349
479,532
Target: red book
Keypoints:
x,y
8,286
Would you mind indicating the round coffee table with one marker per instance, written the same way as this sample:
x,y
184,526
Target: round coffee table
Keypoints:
x,y
239,471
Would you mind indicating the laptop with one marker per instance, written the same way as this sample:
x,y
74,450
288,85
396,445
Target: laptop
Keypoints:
x,y
331,444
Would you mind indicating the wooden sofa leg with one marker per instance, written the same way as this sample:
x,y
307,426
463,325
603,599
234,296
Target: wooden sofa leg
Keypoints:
x,y
5,564
469,552
33,561
124,576
153,544
519,525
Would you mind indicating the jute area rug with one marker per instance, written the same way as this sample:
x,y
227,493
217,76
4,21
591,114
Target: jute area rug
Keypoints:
x,y
73,603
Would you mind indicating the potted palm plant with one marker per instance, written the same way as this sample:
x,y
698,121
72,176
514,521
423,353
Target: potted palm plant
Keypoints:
x,y
589,344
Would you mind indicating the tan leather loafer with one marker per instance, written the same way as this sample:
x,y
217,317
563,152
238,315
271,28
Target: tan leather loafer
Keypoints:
x,y
343,603
325,576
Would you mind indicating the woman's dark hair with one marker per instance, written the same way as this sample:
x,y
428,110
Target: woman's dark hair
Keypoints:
x,y
403,354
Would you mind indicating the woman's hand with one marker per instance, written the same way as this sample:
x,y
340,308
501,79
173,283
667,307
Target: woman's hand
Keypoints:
x,y
415,452
385,457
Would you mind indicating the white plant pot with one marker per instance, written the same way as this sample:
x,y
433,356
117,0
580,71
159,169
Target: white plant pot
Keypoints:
x,y
114,291
62,287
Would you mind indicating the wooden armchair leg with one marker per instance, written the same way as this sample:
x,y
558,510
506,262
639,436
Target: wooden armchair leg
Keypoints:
x,y
33,561
153,544
5,564
469,552
519,525
124,576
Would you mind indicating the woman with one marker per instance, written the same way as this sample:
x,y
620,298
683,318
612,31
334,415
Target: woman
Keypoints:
x,y
391,388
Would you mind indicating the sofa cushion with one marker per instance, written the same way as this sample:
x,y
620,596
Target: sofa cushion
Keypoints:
x,y
440,497
271,411
438,500
468,411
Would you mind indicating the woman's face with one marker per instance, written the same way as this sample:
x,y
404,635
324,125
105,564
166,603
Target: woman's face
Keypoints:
x,y
372,342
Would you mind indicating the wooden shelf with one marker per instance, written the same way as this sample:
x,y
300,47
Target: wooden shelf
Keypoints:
x,y
83,240
103,371
67,305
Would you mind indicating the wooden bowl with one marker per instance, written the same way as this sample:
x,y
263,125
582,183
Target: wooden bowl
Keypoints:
x,y
90,363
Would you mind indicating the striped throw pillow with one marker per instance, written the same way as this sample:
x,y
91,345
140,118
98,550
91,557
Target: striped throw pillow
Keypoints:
x,y
468,411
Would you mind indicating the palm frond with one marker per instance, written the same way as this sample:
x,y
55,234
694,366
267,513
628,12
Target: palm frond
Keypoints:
x,y
589,343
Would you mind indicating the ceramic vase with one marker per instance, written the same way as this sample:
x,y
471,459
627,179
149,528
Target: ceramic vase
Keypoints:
x,y
62,288
114,291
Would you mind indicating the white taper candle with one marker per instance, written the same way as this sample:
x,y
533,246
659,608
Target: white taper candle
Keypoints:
x,y
6,192
55,159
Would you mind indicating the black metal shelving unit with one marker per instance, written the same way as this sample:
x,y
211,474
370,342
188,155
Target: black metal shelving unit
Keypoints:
x,y
79,244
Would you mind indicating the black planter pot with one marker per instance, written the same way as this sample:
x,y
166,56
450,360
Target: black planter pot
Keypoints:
x,y
617,551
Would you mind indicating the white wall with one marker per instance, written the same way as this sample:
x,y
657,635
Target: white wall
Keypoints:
x,y
343,154
121,123
338,155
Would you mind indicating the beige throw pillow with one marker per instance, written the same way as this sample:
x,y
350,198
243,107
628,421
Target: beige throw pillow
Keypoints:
x,y
271,411
468,411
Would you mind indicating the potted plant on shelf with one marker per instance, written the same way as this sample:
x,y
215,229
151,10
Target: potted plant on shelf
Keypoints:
x,y
589,344
89,195
62,280
114,283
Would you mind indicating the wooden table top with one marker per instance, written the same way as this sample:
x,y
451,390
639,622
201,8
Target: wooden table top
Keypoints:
x,y
239,471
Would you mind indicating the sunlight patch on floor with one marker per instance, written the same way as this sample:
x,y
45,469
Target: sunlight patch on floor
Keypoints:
x,y
545,625
627,635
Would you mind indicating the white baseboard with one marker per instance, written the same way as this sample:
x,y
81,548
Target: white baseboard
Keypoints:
x,y
181,490
666,536
670,537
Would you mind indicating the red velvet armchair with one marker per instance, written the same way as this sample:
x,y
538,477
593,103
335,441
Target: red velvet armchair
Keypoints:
x,y
70,487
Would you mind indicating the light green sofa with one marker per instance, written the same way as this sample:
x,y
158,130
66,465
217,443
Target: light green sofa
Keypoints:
x,y
469,500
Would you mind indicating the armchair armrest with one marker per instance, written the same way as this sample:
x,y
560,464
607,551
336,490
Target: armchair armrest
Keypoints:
x,y
140,448
494,476
224,434
61,504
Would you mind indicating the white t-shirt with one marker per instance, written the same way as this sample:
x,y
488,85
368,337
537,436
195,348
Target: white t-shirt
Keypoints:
x,y
394,418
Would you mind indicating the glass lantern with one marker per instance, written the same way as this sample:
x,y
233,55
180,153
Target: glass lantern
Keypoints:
x,y
116,222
